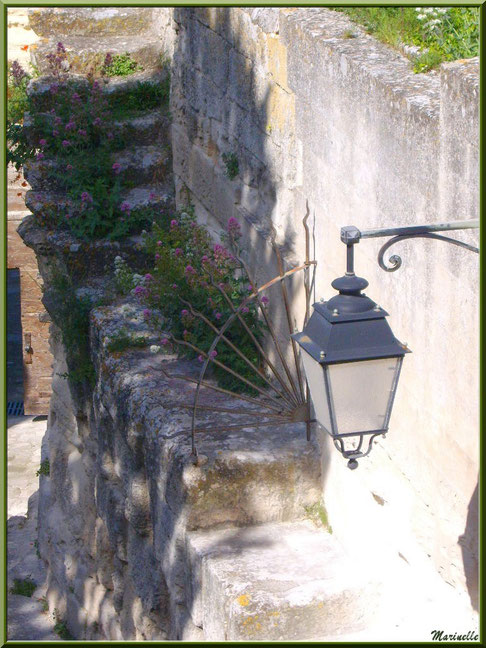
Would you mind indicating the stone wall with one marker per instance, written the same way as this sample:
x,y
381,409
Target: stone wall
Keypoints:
x,y
313,116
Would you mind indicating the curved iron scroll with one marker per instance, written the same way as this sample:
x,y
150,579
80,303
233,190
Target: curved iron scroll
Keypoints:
x,y
396,261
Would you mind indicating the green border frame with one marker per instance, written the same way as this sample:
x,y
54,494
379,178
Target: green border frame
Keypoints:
x,y
5,5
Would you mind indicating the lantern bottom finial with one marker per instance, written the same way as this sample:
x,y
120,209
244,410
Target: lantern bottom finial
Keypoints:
x,y
352,464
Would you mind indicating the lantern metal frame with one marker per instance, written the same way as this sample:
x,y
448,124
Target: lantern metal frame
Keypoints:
x,y
351,305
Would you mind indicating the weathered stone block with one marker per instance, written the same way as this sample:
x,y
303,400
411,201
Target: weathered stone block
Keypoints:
x,y
275,582
106,21
84,53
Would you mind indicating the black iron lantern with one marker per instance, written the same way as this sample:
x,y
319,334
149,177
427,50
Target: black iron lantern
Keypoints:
x,y
352,363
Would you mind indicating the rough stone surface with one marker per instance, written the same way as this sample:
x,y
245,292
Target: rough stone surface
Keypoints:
x,y
278,582
85,52
106,21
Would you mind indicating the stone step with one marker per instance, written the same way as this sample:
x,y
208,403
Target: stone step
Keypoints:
x,y
58,22
275,582
40,89
88,52
151,127
158,195
142,164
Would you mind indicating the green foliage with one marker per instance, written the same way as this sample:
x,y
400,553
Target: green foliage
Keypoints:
x,y
44,468
24,587
18,150
190,270
232,167
445,34
44,603
124,340
61,628
72,317
36,546
145,95
318,514
120,65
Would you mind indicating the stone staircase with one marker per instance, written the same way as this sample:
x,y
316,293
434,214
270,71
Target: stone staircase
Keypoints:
x,y
140,542
89,35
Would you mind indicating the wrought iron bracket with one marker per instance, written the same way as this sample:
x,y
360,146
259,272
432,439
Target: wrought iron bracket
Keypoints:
x,y
350,235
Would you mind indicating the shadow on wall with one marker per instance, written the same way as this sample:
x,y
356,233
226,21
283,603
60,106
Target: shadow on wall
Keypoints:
x,y
469,547
223,106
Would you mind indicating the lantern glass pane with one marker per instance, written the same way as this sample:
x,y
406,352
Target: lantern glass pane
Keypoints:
x,y
315,379
361,392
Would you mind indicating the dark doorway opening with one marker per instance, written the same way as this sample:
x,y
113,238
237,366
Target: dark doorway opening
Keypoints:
x,y
15,373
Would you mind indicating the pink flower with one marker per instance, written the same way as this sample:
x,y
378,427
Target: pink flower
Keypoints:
x,y
125,207
204,259
42,142
146,313
82,132
189,270
70,125
152,195
265,300
116,168
157,257
66,143
140,290
97,122
245,309
178,252
174,223
250,288
57,121
55,132
184,312
159,243
200,358
69,167
86,197
213,354
40,156
148,276
165,341
218,316
234,227
174,286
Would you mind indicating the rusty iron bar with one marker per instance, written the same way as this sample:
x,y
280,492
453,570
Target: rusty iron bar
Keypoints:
x,y
221,390
235,348
307,270
234,373
227,410
239,426
288,313
270,327
255,341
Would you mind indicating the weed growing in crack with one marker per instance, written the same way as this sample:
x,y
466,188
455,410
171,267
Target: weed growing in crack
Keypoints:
x,y
23,587
119,65
44,469
231,163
